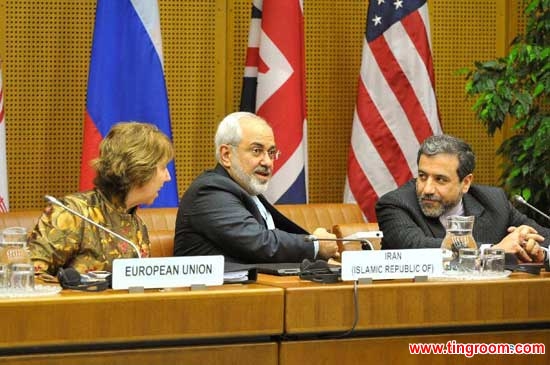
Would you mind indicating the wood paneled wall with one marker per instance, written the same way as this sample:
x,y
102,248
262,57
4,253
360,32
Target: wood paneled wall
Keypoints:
x,y
45,49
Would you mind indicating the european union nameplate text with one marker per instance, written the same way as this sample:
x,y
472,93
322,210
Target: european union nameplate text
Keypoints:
x,y
168,272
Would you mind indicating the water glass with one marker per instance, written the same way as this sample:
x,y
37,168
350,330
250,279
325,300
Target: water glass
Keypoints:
x,y
13,246
493,261
22,277
469,261
14,235
3,276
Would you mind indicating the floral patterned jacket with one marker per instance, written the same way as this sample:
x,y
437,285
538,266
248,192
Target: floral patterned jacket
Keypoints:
x,y
62,239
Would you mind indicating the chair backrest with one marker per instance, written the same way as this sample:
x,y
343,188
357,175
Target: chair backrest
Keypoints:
x,y
161,223
162,243
159,219
347,229
22,218
326,215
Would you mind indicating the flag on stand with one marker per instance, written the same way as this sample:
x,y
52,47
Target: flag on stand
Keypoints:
x,y
126,81
274,88
396,107
4,201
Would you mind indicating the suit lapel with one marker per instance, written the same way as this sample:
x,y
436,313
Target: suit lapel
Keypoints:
x,y
253,208
472,207
247,200
281,222
436,227
270,208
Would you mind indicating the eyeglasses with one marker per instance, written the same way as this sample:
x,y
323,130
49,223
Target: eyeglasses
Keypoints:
x,y
257,152
273,153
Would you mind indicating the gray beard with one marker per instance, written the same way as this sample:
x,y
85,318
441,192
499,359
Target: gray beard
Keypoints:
x,y
431,213
248,182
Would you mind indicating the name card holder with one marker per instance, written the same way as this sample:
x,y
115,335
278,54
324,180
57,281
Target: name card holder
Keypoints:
x,y
420,278
167,272
195,287
136,289
365,281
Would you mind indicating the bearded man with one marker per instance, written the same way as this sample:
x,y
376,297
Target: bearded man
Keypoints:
x,y
413,216
223,212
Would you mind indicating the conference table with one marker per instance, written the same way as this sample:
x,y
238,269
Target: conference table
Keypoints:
x,y
226,324
279,320
395,313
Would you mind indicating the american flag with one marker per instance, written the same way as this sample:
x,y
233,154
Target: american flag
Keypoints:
x,y
4,202
274,88
396,105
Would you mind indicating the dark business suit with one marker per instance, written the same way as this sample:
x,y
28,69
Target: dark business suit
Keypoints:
x,y
405,226
217,216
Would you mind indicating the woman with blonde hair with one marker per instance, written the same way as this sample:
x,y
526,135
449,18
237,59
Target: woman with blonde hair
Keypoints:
x,y
131,169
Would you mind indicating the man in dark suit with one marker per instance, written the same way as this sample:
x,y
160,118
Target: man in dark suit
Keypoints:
x,y
223,211
413,215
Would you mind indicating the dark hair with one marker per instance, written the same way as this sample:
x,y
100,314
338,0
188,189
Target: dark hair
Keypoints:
x,y
444,143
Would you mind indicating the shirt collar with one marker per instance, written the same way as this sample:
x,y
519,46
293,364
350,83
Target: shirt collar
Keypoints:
x,y
456,210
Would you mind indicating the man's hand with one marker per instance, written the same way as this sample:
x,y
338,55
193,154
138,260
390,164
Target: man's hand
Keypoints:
x,y
534,250
327,249
524,242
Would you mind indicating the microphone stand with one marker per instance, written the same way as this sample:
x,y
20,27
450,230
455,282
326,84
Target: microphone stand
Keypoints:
x,y
53,200
520,199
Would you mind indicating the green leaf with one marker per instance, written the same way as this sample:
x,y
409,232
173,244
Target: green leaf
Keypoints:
x,y
514,172
531,6
516,87
538,90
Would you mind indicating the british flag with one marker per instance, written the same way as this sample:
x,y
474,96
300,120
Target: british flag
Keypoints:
x,y
396,104
274,88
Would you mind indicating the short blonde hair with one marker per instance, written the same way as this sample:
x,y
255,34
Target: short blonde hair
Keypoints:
x,y
128,157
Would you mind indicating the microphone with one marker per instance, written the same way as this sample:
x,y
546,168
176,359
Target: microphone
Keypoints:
x,y
519,199
53,200
365,244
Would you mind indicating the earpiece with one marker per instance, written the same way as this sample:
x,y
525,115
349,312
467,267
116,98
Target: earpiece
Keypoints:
x,y
69,278
318,271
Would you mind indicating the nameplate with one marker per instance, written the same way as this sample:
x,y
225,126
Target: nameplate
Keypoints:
x,y
167,272
391,264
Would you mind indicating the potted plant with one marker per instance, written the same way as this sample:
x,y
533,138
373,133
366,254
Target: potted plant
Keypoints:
x,y
516,87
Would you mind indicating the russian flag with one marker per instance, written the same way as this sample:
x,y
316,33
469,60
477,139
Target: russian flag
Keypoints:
x,y
126,81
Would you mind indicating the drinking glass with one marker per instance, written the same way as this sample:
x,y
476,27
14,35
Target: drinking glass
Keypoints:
x,y
469,261
493,261
22,277
15,235
14,246
3,276
13,251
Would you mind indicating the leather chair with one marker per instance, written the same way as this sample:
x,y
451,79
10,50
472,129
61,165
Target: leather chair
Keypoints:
x,y
326,215
347,229
161,222
22,218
